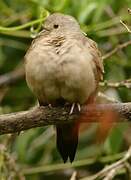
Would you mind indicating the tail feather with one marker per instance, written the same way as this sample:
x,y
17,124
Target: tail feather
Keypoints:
x,y
67,140
62,146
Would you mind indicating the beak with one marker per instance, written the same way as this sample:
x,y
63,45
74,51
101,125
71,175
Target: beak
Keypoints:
x,y
43,30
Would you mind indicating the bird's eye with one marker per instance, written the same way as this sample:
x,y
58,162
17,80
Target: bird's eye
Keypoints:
x,y
56,26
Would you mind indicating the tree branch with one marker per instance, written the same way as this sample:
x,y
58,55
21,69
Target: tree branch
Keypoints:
x,y
42,116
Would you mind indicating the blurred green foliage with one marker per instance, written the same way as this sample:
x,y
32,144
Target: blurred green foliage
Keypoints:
x,y
100,20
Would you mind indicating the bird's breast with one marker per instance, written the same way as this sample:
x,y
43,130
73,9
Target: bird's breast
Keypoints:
x,y
67,75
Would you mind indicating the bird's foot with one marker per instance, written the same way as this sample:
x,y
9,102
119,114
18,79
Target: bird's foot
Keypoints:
x,y
73,106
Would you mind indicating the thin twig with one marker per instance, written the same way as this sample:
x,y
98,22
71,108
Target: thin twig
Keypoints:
x,y
115,166
103,98
117,48
125,83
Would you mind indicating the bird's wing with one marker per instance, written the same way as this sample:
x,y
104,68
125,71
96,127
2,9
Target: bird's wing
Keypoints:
x,y
97,59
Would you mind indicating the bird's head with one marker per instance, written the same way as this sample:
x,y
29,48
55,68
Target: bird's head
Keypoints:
x,y
59,23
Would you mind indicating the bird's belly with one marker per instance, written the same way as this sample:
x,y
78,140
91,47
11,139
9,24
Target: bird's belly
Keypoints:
x,y
78,80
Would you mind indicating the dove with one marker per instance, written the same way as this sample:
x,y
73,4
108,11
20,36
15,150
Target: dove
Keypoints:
x,y
63,65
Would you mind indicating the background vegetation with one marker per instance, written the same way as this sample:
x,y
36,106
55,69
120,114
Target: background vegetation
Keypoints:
x,y
36,147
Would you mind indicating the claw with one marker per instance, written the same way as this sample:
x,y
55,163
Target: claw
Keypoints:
x,y
73,106
79,107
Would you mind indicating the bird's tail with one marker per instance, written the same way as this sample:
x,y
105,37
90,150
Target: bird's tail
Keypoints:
x,y
67,140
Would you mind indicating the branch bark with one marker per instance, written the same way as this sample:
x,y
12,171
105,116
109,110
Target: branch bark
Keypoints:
x,y
42,116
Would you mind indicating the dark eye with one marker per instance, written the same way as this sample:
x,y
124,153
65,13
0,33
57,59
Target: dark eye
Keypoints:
x,y
56,26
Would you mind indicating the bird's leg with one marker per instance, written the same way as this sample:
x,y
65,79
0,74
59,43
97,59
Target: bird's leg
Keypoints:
x,y
73,106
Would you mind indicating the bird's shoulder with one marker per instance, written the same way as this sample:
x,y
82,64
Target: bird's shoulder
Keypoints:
x,y
92,48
